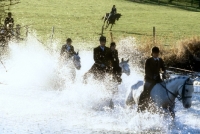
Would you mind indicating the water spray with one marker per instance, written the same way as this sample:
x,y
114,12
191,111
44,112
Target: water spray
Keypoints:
x,y
3,66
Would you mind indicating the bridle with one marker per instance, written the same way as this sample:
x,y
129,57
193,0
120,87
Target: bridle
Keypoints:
x,y
123,68
178,96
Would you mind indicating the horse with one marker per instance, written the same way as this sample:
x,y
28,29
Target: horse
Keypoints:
x,y
111,20
100,74
163,94
125,66
72,62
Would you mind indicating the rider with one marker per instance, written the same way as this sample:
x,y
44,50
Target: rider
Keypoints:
x,y
115,62
68,48
9,21
113,11
153,66
102,56
3,33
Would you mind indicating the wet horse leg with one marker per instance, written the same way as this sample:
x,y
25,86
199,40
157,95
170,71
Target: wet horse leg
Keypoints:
x,y
111,27
172,112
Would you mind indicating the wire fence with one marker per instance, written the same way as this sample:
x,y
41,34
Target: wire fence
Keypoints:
x,y
184,4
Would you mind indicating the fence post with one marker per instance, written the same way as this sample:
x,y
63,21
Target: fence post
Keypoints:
x,y
52,34
111,36
26,31
18,27
102,30
154,35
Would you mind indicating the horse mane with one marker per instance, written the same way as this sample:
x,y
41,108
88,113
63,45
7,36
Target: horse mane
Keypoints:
x,y
179,77
77,57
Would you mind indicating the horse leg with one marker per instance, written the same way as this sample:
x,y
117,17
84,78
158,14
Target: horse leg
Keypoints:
x,y
107,24
104,22
85,76
144,98
172,112
111,104
111,27
129,99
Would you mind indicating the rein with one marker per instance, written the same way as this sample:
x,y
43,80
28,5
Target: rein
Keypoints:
x,y
176,96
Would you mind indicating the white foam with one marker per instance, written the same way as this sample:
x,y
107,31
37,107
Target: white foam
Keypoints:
x,y
38,97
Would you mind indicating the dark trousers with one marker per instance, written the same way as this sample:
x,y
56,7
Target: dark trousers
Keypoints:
x,y
117,72
145,96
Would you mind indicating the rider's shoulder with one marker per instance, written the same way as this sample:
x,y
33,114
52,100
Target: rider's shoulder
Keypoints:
x,y
161,59
107,47
149,59
64,45
97,48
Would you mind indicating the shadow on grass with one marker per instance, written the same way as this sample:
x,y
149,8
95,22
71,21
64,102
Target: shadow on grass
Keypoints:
x,y
131,32
167,4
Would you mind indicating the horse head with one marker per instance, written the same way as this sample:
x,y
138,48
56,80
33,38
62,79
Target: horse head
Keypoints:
x,y
186,92
77,61
117,16
125,66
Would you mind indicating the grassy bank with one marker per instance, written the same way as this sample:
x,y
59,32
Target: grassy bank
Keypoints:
x,y
81,20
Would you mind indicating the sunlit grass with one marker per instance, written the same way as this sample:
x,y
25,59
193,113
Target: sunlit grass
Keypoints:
x,y
81,20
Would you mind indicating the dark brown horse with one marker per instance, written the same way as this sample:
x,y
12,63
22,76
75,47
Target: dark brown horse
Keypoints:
x,y
111,20
100,73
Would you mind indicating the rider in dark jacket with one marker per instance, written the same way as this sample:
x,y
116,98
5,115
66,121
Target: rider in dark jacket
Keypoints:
x,y
112,12
102,56
68,48
153,66
115,62
102,59
9,20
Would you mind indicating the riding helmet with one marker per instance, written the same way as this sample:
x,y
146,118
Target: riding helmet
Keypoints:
x,y
102,38
155,50
69,40
9,13
112,44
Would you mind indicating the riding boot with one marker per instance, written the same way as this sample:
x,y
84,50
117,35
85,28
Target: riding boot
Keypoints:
x,y
145,96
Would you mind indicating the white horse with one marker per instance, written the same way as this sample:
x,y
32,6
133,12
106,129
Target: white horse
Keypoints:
x,y
124,69
125,66
164,94
72,63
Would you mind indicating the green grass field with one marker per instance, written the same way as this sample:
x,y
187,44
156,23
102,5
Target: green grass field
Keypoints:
x,y
81,19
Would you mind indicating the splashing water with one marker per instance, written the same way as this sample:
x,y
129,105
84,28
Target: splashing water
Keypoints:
x,y
37,96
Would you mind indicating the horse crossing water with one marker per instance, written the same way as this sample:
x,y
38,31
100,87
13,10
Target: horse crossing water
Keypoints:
x,y
164,94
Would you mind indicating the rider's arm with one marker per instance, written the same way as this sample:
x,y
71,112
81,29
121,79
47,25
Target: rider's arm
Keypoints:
x,y
95,56
117,58
62,50
163,66
5,22
72,50
148,71
13,22
110,58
